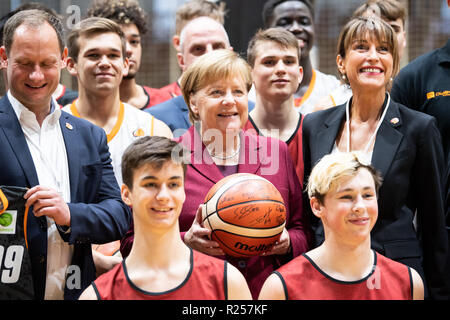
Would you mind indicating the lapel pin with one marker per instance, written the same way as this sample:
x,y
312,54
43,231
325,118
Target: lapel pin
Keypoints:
x,y
394,120
69,126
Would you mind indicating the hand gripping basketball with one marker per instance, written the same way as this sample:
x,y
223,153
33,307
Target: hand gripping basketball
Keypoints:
x,y
198,237
245,213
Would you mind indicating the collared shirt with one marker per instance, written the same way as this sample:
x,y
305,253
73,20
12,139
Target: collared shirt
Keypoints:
x,y
47,148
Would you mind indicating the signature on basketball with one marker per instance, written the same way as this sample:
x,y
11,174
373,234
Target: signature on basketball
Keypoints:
x,y
264,219
250,195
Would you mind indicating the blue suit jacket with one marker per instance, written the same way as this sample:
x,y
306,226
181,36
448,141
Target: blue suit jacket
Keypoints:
x,y
98,214
175,114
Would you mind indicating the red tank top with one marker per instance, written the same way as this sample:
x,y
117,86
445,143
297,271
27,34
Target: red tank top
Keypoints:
x,y
206,280
294,144
303,280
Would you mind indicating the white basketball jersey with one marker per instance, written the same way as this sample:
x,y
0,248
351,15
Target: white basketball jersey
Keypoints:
x,y
321,85
341,95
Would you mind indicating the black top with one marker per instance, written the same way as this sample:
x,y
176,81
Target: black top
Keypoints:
x,y
16,276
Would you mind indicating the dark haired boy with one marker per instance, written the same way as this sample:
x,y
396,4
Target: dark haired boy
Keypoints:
x,y
160,266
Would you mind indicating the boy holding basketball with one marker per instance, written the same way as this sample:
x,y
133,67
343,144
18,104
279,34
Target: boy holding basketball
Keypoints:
x,y
343,194
160,266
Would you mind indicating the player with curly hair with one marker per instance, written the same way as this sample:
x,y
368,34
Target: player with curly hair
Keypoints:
x,y
133,21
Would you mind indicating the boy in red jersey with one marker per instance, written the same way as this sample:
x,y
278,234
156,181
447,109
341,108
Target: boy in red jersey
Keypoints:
x,y
160,266
343,194
274,55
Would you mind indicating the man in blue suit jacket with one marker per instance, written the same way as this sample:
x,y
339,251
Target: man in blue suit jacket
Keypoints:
x,y
74,196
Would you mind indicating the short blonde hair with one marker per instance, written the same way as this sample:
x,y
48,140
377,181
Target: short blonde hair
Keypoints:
x,y
211,67
362,27
334,167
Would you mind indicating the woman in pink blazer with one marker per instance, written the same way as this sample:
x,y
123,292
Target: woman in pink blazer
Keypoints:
x,y
215,89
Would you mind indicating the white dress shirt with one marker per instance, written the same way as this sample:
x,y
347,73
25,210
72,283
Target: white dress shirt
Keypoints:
x,y
47,148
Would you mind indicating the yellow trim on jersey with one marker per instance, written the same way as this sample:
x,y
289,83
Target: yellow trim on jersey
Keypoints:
x,y
73,109
115,129
153,122
25,219
4,201
118,124
310,89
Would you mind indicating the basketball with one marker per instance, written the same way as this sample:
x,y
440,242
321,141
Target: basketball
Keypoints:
x,y
245,213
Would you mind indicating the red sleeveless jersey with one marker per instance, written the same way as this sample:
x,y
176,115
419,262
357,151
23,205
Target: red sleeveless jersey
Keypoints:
x,y
303,280
206,280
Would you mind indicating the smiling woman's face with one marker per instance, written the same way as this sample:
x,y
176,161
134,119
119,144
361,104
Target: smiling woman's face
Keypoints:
x,y
368,64
222,105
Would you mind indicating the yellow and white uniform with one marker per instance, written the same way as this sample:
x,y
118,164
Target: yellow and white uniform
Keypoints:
x,y
320,86
340,95
131,124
